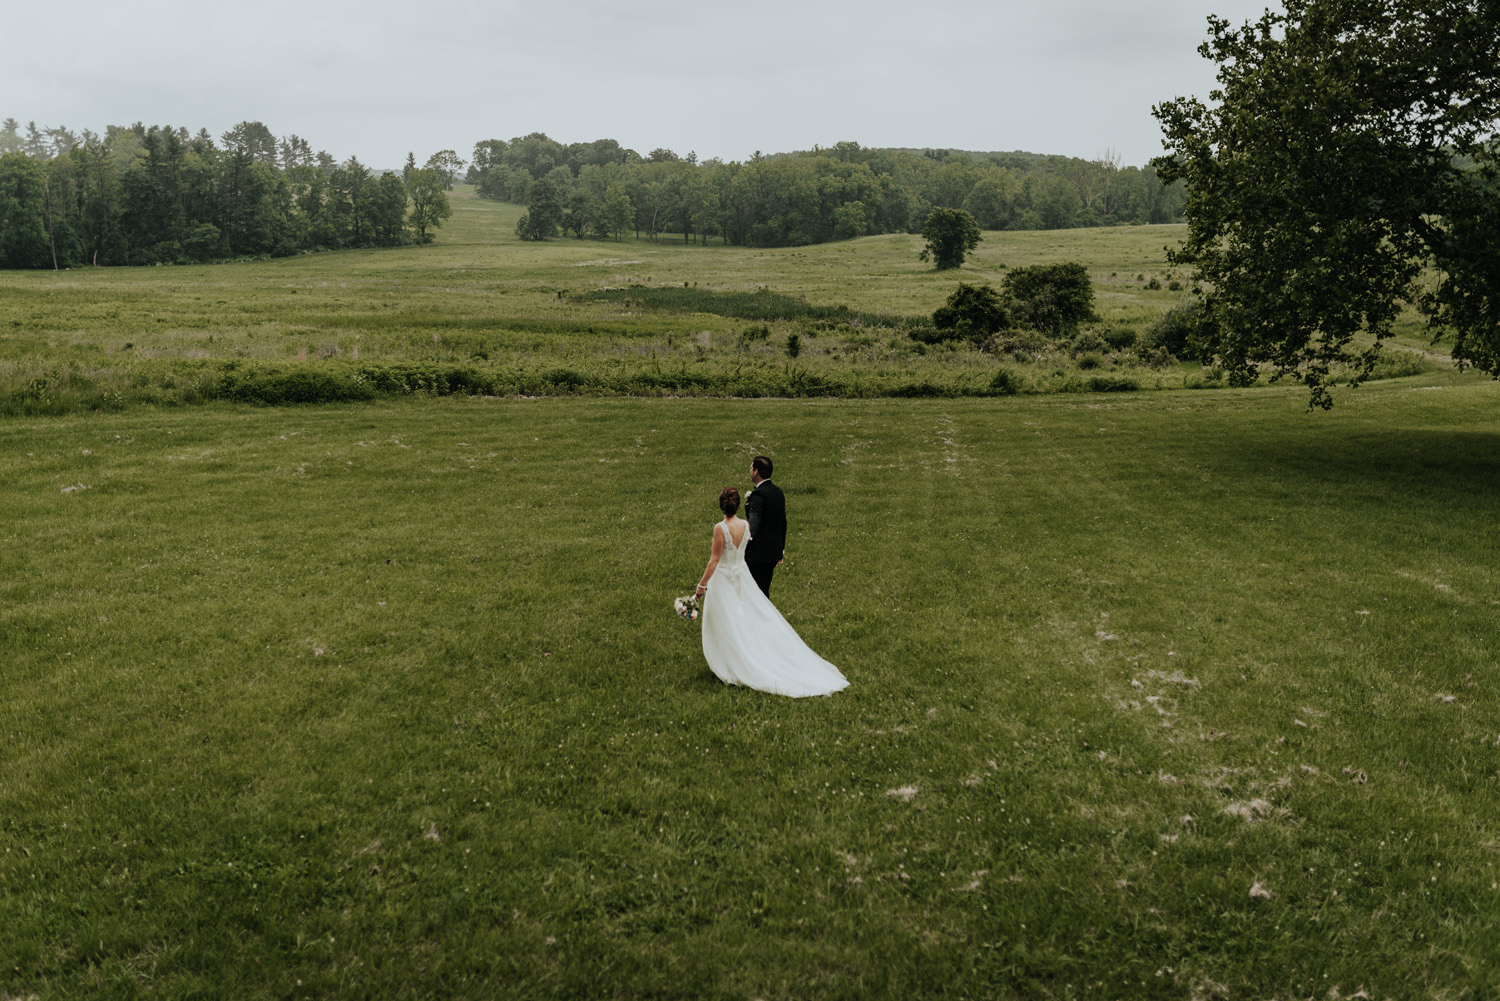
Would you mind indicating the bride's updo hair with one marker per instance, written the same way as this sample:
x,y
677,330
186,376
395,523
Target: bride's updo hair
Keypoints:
x,y
729,501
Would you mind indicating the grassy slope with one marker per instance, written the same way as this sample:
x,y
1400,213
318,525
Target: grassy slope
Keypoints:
x,y
478,257
105,339
388,701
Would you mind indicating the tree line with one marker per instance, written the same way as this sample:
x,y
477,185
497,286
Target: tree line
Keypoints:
x,y
602,189
159,195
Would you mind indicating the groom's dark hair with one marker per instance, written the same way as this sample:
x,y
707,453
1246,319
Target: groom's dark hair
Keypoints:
x,y
762,465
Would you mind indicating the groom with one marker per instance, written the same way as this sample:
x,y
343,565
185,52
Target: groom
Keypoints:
x,y
765,510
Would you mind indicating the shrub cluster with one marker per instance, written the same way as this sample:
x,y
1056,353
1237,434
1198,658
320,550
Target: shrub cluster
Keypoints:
x,y
1053,299
1187,330
972,313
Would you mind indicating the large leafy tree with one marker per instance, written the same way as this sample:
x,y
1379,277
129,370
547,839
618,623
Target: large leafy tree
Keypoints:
x,y
23,237
617,212
429,205
1344,167
386,205
950,235
447,163
544,211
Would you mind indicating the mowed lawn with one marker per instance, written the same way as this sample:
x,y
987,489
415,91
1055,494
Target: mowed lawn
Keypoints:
x,y
1184,695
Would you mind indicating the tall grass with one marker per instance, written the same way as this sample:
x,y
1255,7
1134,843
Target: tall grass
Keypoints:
x,y
483,312
761,304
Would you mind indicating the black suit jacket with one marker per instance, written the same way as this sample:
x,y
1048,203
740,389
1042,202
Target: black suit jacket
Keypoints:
x,y
766,513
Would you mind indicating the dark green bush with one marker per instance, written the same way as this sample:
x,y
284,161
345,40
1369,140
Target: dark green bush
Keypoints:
x,y
1119,338
1112,384
1053,298
926,333
971,313
1087,342
925,388
1187,330
1005,383
565,379
279,386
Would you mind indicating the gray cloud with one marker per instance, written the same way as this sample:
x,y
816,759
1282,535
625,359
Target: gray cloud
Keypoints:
x,y
378,78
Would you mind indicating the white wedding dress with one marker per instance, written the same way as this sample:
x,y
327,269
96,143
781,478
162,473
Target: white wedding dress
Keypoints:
x,y
747,641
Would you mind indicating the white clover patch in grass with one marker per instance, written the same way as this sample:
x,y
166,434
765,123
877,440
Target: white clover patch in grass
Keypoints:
x,y
904,793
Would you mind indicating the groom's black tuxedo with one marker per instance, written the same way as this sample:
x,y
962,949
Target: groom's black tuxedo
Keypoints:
x,y
765,510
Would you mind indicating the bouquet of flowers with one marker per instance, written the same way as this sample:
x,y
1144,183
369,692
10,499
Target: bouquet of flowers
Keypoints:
x,y
689,607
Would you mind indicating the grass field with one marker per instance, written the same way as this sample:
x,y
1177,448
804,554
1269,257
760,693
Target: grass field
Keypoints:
x,y
480,312
1184,695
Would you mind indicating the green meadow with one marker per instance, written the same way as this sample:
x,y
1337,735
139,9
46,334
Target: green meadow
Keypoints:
x,y
1187,693
482,313
1169,695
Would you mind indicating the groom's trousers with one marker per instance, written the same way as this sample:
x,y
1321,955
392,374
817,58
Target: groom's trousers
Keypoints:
x,y
761,574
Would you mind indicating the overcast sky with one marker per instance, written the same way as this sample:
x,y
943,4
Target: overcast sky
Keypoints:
x,y
377,78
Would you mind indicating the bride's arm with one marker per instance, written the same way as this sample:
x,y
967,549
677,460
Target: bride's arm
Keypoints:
x,y
713,562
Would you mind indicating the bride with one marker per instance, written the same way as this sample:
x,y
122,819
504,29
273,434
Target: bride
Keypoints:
x,y
745,639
